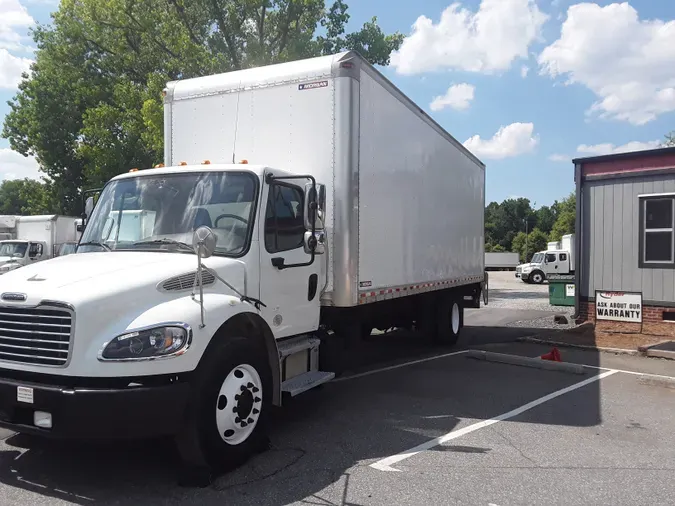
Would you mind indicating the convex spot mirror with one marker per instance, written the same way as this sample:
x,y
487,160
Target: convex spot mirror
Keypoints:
x,y
204,241
315,206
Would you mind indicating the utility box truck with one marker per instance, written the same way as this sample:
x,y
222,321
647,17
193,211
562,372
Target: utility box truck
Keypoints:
x,y
243,283
34,239
557,259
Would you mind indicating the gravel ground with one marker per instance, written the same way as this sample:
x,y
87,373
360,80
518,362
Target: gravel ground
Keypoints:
x,y
507,291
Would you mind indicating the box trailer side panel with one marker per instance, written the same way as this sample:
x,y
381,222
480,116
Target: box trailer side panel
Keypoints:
x,y
501,260
282,116
421,196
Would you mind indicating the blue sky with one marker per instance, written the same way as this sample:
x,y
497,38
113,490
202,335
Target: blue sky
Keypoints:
x,y
527,85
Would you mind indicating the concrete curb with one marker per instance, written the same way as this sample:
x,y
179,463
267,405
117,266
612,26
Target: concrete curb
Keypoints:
x,y
537,363
670,355
657,382
617,351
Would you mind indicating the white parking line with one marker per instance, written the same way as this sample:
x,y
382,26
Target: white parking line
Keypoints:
x,y
386,463
398,366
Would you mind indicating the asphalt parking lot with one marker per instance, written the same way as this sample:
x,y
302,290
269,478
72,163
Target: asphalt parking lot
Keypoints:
x,y
413,425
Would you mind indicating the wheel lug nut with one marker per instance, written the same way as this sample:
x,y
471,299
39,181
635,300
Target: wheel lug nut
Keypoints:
x,y
250,420
236,397
257,399
256,411
244,424
237,420
243,388
234,410
250,385
256,390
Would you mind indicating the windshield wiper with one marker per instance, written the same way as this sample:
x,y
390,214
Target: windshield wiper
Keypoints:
x,y
165,240
95,243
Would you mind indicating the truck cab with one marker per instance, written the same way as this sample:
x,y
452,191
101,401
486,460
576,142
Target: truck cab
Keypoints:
x,y
551,261
17,253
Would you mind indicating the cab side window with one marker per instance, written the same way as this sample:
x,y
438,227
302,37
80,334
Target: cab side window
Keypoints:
x,y
35,250
284,220
550,257
563,257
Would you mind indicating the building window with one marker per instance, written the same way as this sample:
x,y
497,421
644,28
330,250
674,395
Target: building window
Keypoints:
x,y
284,220
657,227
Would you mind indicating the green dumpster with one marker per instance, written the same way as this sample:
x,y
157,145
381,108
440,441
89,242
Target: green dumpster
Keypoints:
x,y
561,289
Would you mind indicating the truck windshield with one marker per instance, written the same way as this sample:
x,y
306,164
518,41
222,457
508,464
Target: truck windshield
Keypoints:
x,y
538,258
15,249
163,211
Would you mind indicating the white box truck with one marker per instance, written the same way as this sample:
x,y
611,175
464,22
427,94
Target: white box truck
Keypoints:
x,y
355,211
558,259
34,239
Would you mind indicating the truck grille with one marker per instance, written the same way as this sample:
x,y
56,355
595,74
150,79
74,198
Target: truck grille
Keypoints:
x,y
35,335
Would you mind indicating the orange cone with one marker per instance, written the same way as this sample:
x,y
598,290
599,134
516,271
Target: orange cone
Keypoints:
x,y
553,355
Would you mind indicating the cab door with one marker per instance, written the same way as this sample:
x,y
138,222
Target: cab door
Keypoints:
x,y
289,289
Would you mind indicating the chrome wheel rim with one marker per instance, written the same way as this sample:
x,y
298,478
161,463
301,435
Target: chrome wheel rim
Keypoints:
x,y
239,404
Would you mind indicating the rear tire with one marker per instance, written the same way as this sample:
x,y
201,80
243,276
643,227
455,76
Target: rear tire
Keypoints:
x,y
229,411
449,321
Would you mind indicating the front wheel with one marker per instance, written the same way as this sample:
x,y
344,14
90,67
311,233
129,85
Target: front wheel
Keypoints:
x,y
231,404
537,277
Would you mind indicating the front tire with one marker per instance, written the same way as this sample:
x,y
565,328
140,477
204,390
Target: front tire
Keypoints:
x,y
230,408
537,277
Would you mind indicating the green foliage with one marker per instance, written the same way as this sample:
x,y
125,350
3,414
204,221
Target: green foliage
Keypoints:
x,y
506,223
669,139
566,218
26,197
92,106
536,241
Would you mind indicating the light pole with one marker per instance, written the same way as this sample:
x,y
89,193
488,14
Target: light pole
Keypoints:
x,y
526,245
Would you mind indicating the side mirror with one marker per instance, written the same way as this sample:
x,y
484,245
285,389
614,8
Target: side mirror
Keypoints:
x,y
204,242
89,206
315,206
316,242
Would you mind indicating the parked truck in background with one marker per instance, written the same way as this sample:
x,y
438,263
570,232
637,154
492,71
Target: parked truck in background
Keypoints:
x,y
501,261
301,205
33,238
557,259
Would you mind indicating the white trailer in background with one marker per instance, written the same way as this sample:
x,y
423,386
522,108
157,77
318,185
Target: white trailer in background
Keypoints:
x,y
354,210
501,261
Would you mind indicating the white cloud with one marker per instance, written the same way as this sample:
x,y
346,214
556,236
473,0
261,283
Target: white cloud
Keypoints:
x,y
11,68
16,166
14,21
485,41
523,71
458,96
559,158
627,62
607,148
511,140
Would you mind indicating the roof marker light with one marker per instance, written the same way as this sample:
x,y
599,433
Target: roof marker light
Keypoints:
x,y
206,162
133,170
182,163
244,161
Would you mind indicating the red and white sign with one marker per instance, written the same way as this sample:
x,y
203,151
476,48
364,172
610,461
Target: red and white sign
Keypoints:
x,y
618,306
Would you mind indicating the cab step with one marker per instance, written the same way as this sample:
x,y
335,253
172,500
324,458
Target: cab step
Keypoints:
x,y
296,345
305,381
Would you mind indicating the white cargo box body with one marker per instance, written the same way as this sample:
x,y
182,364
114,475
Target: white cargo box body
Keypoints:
x,y
405,200
567,242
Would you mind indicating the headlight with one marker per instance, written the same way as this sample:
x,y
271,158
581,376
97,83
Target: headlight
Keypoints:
x,y
149,344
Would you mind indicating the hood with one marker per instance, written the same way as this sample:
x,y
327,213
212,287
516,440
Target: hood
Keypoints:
x,y
90,276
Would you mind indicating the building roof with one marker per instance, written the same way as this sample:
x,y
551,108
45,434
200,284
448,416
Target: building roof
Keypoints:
x,y
627,155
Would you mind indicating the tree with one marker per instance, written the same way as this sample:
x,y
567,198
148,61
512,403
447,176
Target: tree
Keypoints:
x,y
670,139
536,241
566,217
92,106
26,197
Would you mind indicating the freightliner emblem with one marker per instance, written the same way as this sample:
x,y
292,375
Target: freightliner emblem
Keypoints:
x,y
13,297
